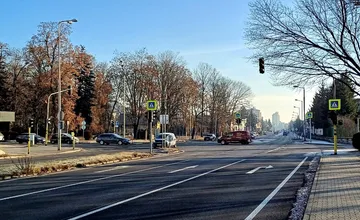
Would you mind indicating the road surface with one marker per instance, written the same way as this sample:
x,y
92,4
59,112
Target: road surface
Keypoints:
x,y
208,181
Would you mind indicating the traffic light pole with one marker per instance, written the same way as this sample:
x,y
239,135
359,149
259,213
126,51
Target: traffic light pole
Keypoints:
x,y
335,132
47,114
150,130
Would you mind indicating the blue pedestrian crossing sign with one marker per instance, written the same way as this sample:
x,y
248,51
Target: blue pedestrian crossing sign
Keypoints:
x,y
309,115
117,124
151,105
334,104
237,115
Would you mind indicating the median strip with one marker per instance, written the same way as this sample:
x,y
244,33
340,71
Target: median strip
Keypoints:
x,y
27,166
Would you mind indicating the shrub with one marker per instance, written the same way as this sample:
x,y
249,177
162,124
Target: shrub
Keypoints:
x,y
87,135
356,141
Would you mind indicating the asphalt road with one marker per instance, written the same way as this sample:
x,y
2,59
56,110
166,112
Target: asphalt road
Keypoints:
x,y
208,181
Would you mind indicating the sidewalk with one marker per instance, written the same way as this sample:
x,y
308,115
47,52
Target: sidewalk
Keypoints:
x,y
335,193
36,150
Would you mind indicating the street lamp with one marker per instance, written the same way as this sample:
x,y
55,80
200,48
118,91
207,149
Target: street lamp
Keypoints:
x,y
59,80
299,109
298,100
297,86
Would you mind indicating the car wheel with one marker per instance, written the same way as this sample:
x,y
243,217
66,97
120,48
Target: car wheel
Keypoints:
x,y
69,142
223,142
102,142
120,143
53,142
206,139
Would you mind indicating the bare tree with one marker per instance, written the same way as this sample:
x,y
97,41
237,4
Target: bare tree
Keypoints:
x,y
305,44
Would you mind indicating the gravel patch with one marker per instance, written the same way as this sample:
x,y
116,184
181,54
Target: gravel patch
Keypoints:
x,y
303,194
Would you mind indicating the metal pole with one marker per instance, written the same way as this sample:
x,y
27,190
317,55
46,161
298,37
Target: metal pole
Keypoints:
x,y
29,141
47,121
358,127
304,114
59,90
150,131
335,132
124,126
310,129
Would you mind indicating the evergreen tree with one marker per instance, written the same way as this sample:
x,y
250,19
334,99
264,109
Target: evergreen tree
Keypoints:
x,y
343,92
86,86
320,107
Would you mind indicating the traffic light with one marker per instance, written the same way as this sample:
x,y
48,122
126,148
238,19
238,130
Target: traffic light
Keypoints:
x,y
154,115
31,122
261,65
70,90
112,123
333,116
49,121
238,121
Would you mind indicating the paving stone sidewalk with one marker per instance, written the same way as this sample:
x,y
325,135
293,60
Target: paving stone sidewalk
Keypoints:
x,y
335,193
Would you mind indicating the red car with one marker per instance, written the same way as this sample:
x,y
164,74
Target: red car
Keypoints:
x,y
243,137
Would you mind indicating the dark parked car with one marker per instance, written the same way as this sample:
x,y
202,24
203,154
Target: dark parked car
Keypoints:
x,y
24,137
111,138
65,138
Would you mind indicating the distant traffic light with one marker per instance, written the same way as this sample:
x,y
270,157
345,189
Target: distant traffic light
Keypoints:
x,y
333,116
112,123
238,121
261,65
70,90
31,122
154,115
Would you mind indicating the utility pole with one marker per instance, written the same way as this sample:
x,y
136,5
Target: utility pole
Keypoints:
x,y
335,134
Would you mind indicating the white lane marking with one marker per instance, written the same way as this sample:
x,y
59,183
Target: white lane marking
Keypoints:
x,y
190,167
258,168
269,167
111,169
278,148
273,193
87,181
152,191
253,170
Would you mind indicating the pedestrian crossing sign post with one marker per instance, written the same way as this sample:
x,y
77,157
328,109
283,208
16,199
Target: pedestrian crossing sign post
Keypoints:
x,y
151,105
309,115
334,104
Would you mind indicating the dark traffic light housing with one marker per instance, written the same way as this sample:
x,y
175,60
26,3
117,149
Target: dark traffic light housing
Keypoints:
x,y
112,123
238,121
154,115
262,65
70,90
333,116
31,122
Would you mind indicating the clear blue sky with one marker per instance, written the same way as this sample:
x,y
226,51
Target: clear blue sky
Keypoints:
x,y
200,30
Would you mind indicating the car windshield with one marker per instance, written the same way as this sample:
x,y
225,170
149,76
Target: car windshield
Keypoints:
x,y
118,136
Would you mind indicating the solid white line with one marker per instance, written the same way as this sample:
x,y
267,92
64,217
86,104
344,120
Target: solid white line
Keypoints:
x,y
115,168
87,181
273,193
253,170
153,191
190,167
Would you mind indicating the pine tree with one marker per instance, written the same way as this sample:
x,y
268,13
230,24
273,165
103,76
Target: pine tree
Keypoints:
x,y
343,92
86,86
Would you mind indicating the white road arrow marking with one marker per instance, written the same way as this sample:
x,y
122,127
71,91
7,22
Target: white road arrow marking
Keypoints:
x,y
190,167
115,168
258,168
